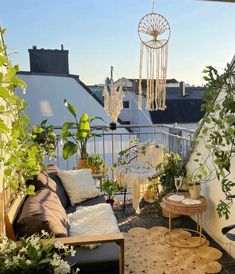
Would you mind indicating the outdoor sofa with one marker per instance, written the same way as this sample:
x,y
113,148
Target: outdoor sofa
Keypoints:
x,y
46,211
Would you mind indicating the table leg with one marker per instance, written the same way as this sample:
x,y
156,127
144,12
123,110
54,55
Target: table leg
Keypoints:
x,y
101,181
200,224
169,225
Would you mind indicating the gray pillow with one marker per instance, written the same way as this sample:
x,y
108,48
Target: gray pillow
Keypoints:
x,y
43,211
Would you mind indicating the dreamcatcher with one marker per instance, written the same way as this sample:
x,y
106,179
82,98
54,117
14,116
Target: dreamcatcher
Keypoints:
x,y
113,99
154,34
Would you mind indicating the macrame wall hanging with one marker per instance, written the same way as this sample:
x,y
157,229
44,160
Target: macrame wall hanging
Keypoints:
x,y
113,99
154,34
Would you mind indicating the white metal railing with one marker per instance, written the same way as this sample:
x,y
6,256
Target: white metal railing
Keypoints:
x,y
173,138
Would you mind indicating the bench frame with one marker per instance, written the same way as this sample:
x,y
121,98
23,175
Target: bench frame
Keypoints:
x,y
117,238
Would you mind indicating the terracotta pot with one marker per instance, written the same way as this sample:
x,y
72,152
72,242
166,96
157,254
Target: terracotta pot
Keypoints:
x,y
194,190
95,169
81,163
110,201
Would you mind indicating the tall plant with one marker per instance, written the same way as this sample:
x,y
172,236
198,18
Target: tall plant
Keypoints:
x,y
218,129
77,133
19,156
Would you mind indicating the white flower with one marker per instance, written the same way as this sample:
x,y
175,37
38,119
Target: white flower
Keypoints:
x,y
59,245
45,233
72,251
28,262
63,268
23,250
7,246
55,261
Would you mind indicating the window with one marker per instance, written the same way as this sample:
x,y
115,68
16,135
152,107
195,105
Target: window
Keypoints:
x,y
125,104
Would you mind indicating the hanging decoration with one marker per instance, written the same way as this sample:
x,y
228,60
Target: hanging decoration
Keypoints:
x,y
113,99
154,34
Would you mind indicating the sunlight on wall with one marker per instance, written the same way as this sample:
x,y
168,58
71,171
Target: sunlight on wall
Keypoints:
x,y
212,224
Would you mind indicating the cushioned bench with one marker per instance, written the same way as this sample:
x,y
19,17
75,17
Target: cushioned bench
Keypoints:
x,y
48,210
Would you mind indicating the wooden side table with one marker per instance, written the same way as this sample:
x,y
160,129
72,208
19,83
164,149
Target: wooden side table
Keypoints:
x,y
178,207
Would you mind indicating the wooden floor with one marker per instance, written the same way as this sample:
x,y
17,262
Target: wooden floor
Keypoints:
x,y
149,218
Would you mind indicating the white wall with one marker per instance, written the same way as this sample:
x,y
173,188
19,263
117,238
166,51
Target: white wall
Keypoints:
x,y
212,191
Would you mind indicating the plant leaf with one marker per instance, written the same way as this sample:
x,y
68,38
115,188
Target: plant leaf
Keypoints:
x,y
69,149
71,108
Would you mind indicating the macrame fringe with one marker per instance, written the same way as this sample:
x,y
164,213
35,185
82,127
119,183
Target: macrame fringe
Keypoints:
x,y
113,100
156,68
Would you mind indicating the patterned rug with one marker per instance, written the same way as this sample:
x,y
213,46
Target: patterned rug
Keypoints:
x,y
147,252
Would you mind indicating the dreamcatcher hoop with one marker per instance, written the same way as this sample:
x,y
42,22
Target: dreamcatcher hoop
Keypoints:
x,y
154,33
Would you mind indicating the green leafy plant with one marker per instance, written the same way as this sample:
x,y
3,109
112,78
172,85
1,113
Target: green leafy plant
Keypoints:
x,y
19,156
110,187
32,255
129,154
218,129
168,169
95,161
76,134
45,138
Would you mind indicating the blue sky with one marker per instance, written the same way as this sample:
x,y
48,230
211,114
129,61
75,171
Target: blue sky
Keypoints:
x,y
100,33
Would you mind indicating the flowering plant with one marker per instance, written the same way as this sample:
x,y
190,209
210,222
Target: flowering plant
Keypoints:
x,y
34,256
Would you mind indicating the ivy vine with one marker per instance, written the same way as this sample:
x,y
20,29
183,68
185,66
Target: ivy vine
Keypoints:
x,y
20,157
219,129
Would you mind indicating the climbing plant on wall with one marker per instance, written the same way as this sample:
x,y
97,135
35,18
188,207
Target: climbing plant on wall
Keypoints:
x,y
219,127
19,155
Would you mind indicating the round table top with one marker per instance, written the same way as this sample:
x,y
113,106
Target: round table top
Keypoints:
x,y
180,207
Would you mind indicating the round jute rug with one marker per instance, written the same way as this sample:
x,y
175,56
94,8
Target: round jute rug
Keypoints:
x,y
146,252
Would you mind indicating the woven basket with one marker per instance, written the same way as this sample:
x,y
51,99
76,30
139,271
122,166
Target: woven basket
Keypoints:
x,y
179,208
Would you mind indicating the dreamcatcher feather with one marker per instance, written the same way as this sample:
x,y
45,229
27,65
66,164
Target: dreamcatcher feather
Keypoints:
x,y
113,99
154,33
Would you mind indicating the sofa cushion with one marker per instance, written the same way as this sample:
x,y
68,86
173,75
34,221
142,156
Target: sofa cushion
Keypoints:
x,y
103,259
43,211
89,202
79,185
60,190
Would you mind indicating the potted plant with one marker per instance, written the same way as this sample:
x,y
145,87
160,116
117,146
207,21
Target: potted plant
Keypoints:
x,y
193,183
110,188
168,170
31,255
95,163
76,134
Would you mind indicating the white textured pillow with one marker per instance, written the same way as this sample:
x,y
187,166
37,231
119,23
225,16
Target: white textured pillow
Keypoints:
x,y
79,185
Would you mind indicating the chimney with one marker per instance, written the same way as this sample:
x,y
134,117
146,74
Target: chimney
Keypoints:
x,y
49,60
182,88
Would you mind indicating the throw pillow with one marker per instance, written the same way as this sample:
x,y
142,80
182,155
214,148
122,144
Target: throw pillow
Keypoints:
x,y
79,185
43,211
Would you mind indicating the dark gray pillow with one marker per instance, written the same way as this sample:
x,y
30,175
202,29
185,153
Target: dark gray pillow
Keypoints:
x,y
60,191
43,211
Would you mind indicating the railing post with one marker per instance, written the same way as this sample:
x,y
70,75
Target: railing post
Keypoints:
x,y
112,154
